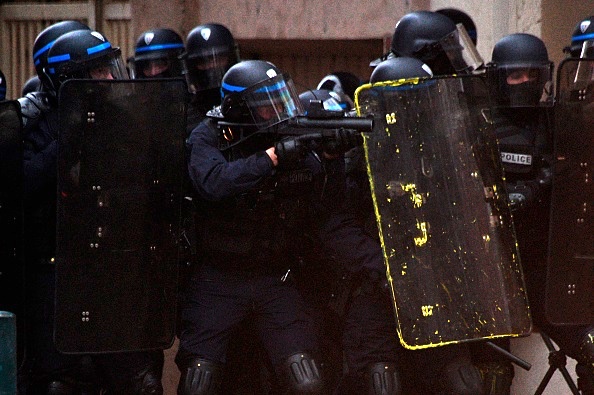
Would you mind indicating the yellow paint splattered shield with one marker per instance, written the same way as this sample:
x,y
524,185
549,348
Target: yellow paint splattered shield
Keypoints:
x,y
442,212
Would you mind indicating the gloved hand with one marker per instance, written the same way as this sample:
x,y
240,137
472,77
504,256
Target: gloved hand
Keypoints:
x,y
289,150
342,141
520,195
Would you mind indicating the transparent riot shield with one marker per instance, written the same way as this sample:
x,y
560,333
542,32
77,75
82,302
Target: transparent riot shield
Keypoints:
x,y
442,212
120,167
570,266
11,212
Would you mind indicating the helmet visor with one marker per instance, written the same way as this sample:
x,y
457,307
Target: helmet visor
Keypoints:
x,y
110,67
524,84
587,50
207,70
165,67
461,52
272,101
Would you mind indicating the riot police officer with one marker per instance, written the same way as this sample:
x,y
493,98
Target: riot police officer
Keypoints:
x,y
261,203
156,54
521,76
582,33
353,309
76,54
210,51
429,37
39,100
434,39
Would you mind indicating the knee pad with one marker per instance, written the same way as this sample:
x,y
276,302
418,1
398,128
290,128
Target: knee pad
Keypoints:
x,y
384,379
147,380
70,387
200,377
301,375
460,377
148,384
497,377
585,378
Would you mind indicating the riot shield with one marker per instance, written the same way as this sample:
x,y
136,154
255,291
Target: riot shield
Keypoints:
x,y
442,212
11,211
570,266
120,167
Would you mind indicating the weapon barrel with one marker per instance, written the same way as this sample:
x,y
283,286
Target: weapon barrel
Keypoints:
x,y
363,125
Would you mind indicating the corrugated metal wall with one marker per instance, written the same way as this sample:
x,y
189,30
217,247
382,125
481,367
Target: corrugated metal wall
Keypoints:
x,y
21,23
308,61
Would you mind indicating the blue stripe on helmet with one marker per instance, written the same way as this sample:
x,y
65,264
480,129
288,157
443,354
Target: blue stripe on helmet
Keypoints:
x,y
98,48
232,88
158,47
583,37
58,58
42,50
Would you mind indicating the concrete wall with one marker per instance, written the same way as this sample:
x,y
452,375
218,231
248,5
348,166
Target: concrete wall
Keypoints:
x,y
278,19
552,20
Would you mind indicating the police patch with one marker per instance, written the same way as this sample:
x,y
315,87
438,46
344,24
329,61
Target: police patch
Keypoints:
x,y
518,159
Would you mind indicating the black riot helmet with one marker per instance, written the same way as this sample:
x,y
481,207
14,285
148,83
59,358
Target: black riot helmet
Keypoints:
x,y
520,72
328,101
156,54
2,86
582,39
395,69
341,82
256,92
459,16
83,54
210,51
436,40
44,41
33,84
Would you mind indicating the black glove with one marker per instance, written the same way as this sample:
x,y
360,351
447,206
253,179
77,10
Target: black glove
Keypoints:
x,y
289,150
342,141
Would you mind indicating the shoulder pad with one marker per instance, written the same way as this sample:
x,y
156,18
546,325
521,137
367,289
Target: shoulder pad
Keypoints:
x,y
33,105
215,113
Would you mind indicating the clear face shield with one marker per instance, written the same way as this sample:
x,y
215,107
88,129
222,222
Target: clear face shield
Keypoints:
x,y
461,51
524,84
585,70
162,67
272,101
106,67
207,70
110,67
453,54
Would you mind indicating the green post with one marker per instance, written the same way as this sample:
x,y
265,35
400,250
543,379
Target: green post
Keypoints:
x,y
8,358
